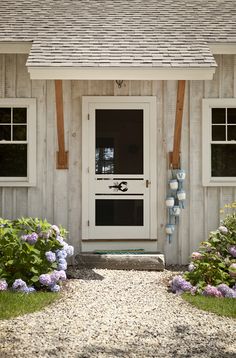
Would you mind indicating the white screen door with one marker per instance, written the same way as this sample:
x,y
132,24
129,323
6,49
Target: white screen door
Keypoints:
x,y
116,168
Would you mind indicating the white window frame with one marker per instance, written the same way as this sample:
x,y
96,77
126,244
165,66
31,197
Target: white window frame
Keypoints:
x,y
207,105
30,104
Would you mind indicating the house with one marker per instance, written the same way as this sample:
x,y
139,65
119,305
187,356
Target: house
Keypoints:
x,y
99,99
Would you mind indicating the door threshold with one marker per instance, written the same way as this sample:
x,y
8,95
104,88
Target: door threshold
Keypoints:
x,y
147,261
117,240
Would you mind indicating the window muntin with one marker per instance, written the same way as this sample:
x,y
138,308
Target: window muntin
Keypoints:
x,y
18,142
219,142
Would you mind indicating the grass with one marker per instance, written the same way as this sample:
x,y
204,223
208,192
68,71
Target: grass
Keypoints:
x,y
16,304
220,306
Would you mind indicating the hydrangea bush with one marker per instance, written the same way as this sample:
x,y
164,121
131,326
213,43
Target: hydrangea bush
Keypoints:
x,y
212,270
32,255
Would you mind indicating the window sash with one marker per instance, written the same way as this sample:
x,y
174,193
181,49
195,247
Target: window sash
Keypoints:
x,y
30,105
207,142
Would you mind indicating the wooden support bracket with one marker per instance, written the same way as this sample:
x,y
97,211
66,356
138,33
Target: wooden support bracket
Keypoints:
x,y
174,157
62,155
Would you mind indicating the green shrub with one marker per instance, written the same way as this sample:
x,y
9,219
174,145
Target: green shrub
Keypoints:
x,y
29,249
211,264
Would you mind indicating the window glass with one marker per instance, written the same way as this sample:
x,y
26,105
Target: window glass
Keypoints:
x,y
5,132
13,159
231,132
119,141
218,115
5,115
19,115
231,115
223,160
218,132
19,132
119,212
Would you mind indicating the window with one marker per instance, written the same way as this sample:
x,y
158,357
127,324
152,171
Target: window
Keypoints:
x,y
219,142
17,142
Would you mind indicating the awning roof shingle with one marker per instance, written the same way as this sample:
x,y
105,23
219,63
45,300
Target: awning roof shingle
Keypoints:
x,y
117,33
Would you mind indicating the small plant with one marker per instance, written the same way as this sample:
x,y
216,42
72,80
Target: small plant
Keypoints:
x,y
32,255
212,271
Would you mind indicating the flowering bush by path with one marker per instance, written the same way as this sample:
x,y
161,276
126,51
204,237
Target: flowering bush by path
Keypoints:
x,y
32,255
212,271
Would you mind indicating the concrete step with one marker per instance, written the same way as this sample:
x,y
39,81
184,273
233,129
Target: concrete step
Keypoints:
x,y
147,261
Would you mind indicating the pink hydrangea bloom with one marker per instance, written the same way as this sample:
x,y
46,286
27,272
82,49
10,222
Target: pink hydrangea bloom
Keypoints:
x,y
212,291
3,285
196,256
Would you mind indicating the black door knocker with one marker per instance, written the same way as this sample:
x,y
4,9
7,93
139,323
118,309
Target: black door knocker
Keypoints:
x,y
122,186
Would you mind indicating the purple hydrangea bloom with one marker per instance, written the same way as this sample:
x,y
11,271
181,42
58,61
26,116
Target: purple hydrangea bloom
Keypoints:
x,y
61,254
50,256
212,291
62,264
191,267
55,277
3,285
56,229
31,289
234,287
223,288
55,288
193,290
32,238
19,285
232,250
62,275
45,279
231,293
179,285
223,229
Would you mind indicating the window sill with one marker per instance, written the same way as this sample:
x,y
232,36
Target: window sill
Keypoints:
x,y
15,183
220,182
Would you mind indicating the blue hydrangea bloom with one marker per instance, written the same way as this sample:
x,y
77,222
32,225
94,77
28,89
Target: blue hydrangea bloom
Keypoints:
x,y
55,288
61,254
180,285
45,279
62,264
19,285
70,250
56,229
223,288
32,238
50,256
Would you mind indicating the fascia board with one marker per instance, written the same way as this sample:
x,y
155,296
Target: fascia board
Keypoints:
x,y
121,73
15,47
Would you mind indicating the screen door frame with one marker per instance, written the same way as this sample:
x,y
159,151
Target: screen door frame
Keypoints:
x,y
89,106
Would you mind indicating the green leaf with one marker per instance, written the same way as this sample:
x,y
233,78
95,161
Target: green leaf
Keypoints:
x,y
34,278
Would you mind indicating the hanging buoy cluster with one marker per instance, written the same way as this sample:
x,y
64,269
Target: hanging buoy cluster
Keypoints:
x,y
175,200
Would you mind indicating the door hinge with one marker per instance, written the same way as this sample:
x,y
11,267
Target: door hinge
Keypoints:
x,y
88,223
88,169
88,117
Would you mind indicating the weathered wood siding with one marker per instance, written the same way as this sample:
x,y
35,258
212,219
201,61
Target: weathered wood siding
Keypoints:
x,y
57,195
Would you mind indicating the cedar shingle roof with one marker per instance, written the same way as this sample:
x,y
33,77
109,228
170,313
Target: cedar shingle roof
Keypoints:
x,y
159,33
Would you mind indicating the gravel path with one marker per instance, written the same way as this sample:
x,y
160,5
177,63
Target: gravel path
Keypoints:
x,y
126,314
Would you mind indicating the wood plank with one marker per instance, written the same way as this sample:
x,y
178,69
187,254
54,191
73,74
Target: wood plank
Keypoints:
x,y
158,91
196,192
175,156
62,155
